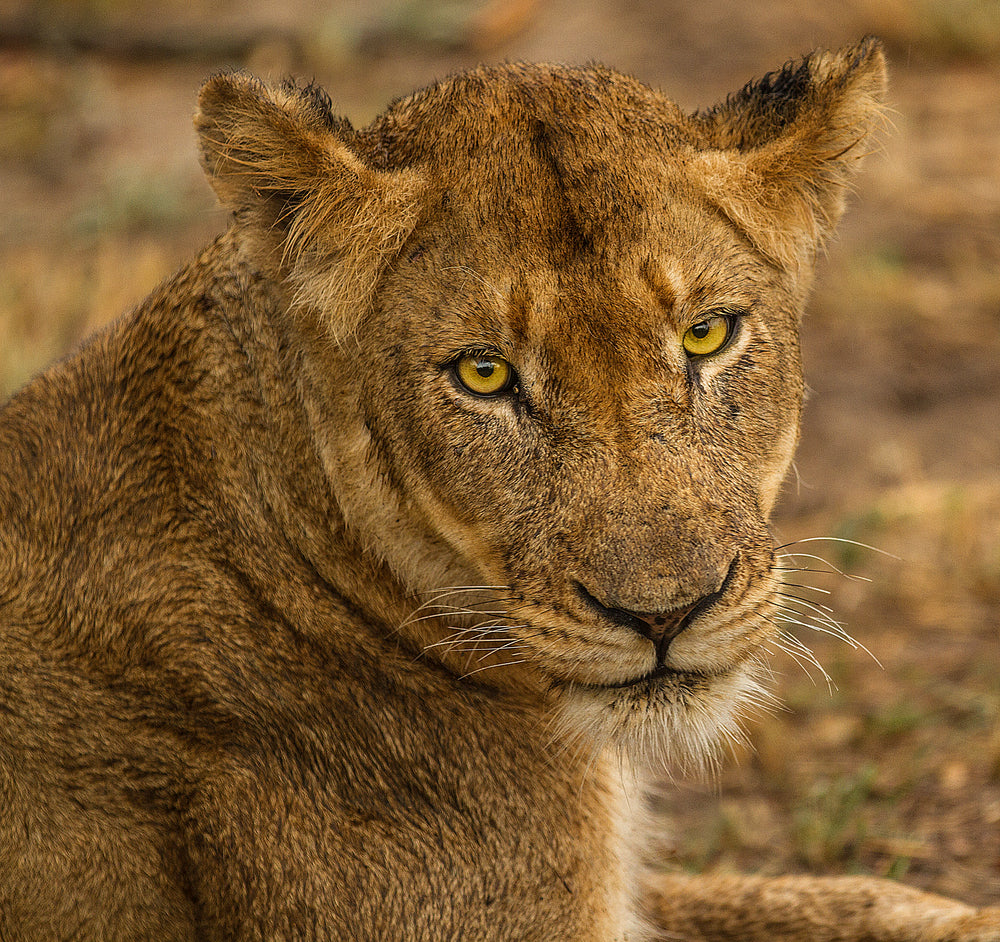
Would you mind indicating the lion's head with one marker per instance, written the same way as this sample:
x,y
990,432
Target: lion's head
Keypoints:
x,y
552,325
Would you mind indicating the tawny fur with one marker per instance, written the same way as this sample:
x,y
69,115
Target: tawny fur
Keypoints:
x,y
302,639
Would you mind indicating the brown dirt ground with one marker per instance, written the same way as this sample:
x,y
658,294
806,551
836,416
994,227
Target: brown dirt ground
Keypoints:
x,y
891,769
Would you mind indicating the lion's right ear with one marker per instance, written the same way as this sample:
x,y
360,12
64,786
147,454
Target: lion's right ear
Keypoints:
x,y
278,158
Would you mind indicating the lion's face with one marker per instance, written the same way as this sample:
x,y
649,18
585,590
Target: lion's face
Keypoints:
x,y
601,436
571,374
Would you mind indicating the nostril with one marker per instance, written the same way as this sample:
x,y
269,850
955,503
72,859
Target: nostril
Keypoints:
x,y
659,627
618,615
662,627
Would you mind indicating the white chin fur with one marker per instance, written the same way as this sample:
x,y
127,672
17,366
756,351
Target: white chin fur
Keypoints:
x,y
672,725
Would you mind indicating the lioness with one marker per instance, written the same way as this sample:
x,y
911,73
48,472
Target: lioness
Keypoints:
x,y
352,584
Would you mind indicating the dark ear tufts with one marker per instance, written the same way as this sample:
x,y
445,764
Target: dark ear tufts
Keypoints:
x,y
765,107
868,46
778,156
767,104
316,103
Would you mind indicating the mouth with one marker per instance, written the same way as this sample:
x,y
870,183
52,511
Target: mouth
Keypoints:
x,y
689,680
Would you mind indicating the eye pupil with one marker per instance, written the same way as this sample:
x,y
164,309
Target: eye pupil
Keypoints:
x,y
700,331
485,368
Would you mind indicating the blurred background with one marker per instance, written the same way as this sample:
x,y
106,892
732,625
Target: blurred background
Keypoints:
x,y
892,769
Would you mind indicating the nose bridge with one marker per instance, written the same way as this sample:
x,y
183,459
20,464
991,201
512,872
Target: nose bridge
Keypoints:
x,y
664,539
655,431
614,388
678,553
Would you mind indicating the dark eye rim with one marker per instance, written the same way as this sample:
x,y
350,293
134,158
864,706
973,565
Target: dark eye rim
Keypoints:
x,y
733,320
509,388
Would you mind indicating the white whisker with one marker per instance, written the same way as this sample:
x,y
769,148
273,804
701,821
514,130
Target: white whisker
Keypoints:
x,y
454,589
448,612
808,588
832,568
823,612
517,642
802,654
487,667
837,539
468,636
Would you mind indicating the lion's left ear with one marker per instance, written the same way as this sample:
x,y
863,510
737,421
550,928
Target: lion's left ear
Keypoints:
x,y
781,153
283,163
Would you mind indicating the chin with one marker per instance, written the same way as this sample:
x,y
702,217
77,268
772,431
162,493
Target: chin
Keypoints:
x,y
673,721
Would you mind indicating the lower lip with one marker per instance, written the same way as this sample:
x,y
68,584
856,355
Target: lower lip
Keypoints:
x,y
660,673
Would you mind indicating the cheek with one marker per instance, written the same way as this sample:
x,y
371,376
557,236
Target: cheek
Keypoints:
x,y
759,404
779,435
462,460
773,474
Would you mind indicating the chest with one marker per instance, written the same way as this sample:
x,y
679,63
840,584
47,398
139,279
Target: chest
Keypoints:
x,y
471,844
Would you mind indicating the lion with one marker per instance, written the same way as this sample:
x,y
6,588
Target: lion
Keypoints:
x,y
355,584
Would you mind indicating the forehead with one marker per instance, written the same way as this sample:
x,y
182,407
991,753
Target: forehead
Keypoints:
x,y
567,191
510,108
682,264
642,303
539,150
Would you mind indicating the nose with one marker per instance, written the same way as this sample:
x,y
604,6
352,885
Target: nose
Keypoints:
x,y
660,627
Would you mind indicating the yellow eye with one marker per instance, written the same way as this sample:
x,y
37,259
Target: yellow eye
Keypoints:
x,y
708,336
484,374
